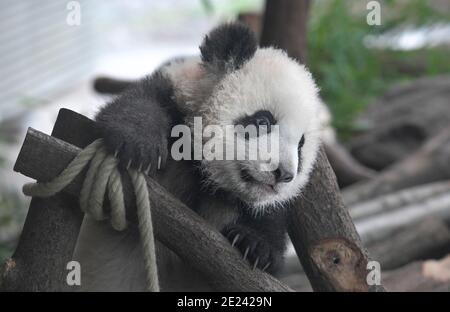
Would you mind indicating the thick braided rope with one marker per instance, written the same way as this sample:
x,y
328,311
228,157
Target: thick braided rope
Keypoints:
x,y
103,176
145,226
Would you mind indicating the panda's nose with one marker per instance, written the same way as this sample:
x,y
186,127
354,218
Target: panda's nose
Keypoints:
x,y
283,175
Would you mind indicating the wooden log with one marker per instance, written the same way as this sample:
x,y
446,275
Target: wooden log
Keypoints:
x,y
402,232
398,200
347,169
297,281
43,268
425,239
382,226
429,164
419,276
176,226
285,26
253,20
40,259
325,237
398,123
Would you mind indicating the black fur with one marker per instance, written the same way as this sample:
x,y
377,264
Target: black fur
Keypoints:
x,y
228,46
137,123
263,238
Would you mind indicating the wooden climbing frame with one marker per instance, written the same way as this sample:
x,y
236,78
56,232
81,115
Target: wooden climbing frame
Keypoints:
x,y
320,227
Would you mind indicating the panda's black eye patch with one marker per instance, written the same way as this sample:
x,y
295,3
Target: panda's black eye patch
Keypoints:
x,y
260,119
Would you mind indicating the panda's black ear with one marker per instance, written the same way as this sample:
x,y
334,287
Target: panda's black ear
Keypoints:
x,y
228,46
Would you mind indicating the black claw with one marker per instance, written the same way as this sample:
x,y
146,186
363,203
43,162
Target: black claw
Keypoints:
x,y
235,240
256,263
136,154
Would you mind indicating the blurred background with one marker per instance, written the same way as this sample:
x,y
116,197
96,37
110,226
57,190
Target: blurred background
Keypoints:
x,y
387,88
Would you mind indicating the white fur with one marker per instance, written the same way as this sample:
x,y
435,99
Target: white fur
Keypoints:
x,y
269,81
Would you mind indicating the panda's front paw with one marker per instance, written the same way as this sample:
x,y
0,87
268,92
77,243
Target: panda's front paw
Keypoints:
x,y
254,247
142,151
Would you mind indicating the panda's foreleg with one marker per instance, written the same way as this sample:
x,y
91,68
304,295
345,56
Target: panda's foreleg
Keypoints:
x,y
137,124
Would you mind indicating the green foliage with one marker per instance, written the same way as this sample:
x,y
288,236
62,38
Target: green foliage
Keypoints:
x,y
411,12
207,6
230,8
344,68
351,75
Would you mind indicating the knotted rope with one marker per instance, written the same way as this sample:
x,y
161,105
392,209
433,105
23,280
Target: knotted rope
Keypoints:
x,y
101,177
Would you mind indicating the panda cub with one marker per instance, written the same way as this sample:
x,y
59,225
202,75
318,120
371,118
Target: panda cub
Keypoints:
x,y
233,82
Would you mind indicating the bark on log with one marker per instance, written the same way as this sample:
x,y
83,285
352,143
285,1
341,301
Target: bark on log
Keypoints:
x,y
178,227
325,237
429,164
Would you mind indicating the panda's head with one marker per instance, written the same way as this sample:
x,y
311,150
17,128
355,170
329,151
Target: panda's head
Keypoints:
x,y
260,86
